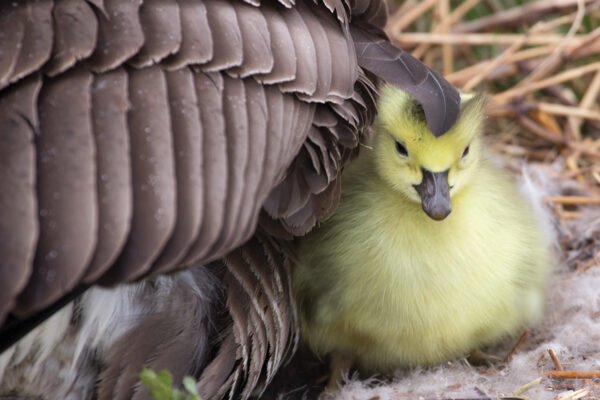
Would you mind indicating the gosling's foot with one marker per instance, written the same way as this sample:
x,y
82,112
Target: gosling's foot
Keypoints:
x,y
479,358
339,364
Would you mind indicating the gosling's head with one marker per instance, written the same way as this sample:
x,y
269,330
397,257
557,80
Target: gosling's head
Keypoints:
x,y
426,169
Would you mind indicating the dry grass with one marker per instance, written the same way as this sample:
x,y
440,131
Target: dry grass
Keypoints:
x,y
539,62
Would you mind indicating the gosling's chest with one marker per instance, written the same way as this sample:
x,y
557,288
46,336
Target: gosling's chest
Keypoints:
x,y
443,271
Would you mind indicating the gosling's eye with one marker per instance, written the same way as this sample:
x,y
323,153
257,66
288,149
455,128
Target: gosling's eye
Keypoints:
x,y
466,152
401,149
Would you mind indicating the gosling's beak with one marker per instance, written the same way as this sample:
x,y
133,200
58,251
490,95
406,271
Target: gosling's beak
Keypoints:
x,y
435,194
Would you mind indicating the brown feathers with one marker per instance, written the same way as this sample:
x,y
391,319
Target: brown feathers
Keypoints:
x,y
66,191
139,137
159,191
439,99
19,224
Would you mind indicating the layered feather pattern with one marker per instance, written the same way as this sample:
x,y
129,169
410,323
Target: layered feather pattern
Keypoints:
x,y
160,129
141,137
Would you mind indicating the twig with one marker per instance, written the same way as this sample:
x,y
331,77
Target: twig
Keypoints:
x,y
587,102
517,346
552,62
485,38
546,120
589,45
596,175
539,130
568,111
527,386
517,15
573,50
573,395
572,200
510,59
584,149
555,359
447,56
401,21
456,15
573,374
565,76
569,215
471,83
549,26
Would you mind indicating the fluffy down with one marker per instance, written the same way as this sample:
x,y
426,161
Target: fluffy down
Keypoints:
x,y
387,285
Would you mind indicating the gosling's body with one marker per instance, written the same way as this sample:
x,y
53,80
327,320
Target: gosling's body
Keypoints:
x,y
387,285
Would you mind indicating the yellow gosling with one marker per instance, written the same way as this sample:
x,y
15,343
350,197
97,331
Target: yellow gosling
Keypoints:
x,y
432,253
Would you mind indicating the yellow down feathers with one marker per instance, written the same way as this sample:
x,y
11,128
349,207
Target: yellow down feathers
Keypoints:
x,y
387,285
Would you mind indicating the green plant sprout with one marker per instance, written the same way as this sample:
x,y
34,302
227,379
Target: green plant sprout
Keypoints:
x,y
161,386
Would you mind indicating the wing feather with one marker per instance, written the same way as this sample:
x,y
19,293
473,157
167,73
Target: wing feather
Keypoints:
x,y
343,58
228,49
304,48
196,37
120,34
162,32
75,34
187,142
210,93
153,176
258,116
256,41
26,33
236,128
66,191
18,201
439,99
12,30
282,48
323,54
110,106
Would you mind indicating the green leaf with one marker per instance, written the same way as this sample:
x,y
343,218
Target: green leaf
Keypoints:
x,y
177,395
160,386
166,378
189,384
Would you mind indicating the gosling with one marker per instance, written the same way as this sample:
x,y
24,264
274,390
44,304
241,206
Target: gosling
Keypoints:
x,y
433,252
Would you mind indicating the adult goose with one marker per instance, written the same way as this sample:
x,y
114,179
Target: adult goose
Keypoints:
x,y
155,159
